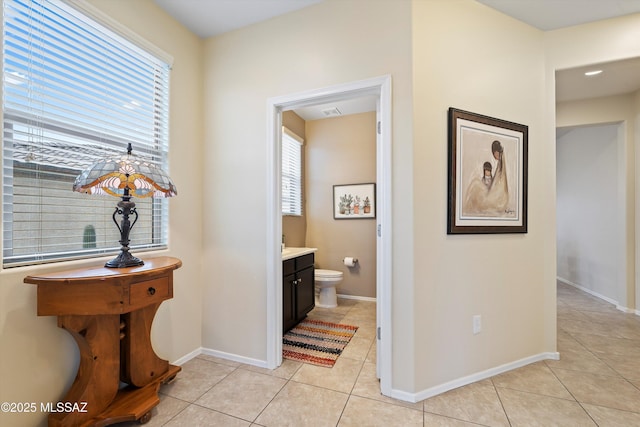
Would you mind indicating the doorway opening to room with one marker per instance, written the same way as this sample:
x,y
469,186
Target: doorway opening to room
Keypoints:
x,y
596,221
590,181
380,90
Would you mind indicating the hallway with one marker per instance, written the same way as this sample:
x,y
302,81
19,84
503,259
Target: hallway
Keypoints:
x,y
596,382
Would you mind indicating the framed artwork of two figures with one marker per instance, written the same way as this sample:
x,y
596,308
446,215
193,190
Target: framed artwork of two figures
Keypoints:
x,y
487,183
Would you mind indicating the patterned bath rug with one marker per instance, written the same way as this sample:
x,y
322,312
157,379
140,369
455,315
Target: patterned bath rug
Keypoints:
x,y
317,342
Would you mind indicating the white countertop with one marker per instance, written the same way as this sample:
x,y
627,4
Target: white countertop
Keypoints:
x,y
289,253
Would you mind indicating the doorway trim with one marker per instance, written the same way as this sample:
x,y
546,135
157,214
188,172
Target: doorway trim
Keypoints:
x,y
380,87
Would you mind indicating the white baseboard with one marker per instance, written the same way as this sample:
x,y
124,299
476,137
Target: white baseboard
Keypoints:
x,y
370,299
184,359
234,357
439,389
222,355
396,394
597,295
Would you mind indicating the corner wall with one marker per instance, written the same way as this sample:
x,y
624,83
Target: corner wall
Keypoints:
x,y
635,286
335,42
471,57
38,361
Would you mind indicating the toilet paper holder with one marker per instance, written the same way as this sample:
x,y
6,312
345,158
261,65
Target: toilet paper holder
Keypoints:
x,y
350,261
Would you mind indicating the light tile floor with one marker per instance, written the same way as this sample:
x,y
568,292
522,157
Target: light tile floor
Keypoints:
x,y
596,382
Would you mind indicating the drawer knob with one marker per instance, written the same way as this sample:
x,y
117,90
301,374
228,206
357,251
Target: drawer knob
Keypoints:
x,y
151,290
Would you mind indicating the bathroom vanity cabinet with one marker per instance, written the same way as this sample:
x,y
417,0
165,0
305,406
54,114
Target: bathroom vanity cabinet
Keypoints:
x,y
298,290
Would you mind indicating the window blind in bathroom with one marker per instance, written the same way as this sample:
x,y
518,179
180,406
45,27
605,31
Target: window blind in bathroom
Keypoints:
x,y
291,173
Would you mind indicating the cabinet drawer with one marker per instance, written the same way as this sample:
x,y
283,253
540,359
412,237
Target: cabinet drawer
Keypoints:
x,y
57,299
288,267
144,293
304,261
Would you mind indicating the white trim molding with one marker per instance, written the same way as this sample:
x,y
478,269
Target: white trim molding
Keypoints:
x,y
356,297
220,355
442,388
597,295
99,16
184,359
234,357
376,86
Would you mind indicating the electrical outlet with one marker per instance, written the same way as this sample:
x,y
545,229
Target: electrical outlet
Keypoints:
x,y
477,324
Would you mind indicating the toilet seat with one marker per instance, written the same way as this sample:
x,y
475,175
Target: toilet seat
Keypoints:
x,y
321,274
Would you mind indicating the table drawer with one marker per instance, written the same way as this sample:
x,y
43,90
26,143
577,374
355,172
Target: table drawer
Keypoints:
x,y
149,291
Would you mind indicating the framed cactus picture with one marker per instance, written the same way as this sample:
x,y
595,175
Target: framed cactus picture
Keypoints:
x,y
354,201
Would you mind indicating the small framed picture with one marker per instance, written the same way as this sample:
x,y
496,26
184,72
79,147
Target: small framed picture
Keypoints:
x,y
487,175
354,201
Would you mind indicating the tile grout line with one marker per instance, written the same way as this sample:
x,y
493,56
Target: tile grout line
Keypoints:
x,y
597,357
495,389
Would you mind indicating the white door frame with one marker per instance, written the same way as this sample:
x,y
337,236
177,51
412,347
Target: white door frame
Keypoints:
x,y
380,87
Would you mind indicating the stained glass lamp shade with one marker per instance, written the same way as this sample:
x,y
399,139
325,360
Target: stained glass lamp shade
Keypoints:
x,y
125,176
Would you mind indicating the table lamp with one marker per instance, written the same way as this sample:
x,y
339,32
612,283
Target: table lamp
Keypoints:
x,y
125,176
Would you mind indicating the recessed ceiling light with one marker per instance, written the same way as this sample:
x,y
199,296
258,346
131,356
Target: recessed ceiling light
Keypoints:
x,y
593,73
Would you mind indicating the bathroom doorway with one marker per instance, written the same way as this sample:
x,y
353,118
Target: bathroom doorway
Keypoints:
x,y
380,88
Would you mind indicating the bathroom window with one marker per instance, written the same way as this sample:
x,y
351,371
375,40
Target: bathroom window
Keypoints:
x,y
291,173
76,87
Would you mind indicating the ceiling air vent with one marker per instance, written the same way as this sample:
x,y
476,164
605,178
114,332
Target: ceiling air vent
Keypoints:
x,y
331,112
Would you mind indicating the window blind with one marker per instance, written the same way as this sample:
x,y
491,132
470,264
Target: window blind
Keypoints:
x,y
74,91
291,173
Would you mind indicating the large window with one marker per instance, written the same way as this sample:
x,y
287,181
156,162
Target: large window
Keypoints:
x,y
291,173
74,91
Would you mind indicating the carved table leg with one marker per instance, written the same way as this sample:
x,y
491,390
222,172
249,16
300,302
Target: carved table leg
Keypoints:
x,y
96,382
141,365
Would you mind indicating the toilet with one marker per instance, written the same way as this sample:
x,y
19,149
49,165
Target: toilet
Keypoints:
x,y
326,282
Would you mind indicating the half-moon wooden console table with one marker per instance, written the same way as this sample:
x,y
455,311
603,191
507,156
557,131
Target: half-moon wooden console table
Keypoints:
x,y
109,312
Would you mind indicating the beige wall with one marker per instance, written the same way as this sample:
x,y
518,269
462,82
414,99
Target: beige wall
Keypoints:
x,y
440,53
609,109
340,151
490,64
636,184
334,43
294,228
38,360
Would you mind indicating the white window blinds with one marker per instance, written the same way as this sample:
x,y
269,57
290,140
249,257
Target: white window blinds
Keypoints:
x,y
74,91
291,173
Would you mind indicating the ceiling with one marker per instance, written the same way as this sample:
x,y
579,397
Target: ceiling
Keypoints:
x,y
208,18
554,14
617,78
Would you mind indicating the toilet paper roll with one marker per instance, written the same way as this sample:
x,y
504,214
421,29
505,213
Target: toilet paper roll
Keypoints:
x,y
350,261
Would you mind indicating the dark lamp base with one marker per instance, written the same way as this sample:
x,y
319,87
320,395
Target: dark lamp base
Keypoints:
x,y
124,259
